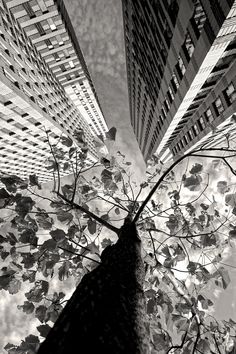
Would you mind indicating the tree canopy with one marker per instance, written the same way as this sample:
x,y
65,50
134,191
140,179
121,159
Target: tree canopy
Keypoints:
x,y
184,211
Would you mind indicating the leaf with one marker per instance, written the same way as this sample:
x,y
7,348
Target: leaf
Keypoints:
x,y
172,223
232,233
29,275
37,293
92,226
40,313
66,166
229,343
13,182
43,330
72,151
49,245
106,177
105,217
230,199
66,141
208,240
85,189
44,221
105,162
67,190
64,270
58,235
111,134
93,248
203,346
117,211
5,198
196,168
79,136
53,312
29,236
11,238
4,254
225,277
222,187
51,165
24,205
9,346
192,267
106,242
2,239
28,260
65,217
5,280
73,229
27,307
193,182
117,176
34,181
14,286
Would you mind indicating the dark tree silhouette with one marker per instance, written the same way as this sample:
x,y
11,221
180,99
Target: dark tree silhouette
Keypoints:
x,y
130,299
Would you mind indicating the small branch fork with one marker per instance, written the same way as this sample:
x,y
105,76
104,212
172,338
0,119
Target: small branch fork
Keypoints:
x,y
194,153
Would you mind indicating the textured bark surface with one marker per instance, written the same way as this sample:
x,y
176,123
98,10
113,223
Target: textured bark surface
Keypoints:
x,y
107,310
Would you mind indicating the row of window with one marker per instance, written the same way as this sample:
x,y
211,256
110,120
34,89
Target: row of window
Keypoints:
x,y
208,116
180,68
197,21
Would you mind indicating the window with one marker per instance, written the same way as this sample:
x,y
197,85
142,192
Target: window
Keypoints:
x,y
219,108
195,130
190,135
230,93
175,82
181,67
209,115
188,46
201,123
167,105
170,94
199,17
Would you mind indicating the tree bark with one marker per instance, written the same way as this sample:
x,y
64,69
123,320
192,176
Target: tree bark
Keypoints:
x,y
107,310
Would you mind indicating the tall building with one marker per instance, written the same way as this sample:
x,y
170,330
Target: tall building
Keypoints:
x,y
47,24
181,72
32,98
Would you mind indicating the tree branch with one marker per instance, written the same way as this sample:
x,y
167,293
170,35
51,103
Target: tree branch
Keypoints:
x,y
89,213
161,179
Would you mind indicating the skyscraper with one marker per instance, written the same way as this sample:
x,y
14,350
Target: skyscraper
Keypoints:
x,y
181,72
32,97
47,24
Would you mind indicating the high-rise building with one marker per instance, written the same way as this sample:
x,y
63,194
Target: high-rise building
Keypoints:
x,y
32,102
47,24
181,72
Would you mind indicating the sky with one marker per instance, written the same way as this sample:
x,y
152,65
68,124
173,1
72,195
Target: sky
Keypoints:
x,y
98,25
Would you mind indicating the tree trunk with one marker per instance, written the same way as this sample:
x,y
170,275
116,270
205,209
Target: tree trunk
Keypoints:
x,y
107,310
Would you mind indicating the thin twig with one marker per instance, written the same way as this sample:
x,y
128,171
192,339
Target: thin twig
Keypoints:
x,y
89,213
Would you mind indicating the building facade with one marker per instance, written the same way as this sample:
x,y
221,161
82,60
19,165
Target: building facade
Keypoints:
x,y
47,24
181,71
32,103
